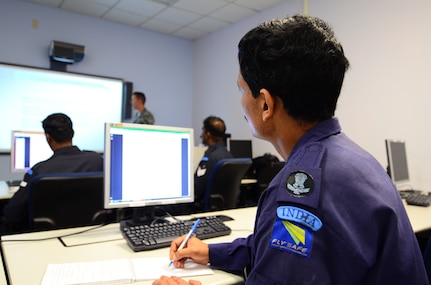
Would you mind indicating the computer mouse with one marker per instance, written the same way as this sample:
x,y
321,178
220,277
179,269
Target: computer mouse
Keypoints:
x,y
224,218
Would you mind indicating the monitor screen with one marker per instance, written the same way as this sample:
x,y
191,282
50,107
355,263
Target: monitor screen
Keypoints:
x,y
147,165
28,148
240,148
397,161
28,95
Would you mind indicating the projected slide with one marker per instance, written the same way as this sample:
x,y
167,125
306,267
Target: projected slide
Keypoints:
x,y
29,95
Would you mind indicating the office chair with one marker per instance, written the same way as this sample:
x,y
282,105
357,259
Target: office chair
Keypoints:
x,y
265,174
66,200
263,171
224,183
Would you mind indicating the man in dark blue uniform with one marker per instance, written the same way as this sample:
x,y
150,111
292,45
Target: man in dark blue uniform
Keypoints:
x,y
213,135
66,158
332,214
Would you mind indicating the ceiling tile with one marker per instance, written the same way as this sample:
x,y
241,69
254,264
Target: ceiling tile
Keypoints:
x,y
55,3
177,16
232,13
124,17
85,7
141,7
201,7
184,18
208,24
258,5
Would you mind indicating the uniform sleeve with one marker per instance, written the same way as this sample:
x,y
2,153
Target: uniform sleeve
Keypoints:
x,y
232,256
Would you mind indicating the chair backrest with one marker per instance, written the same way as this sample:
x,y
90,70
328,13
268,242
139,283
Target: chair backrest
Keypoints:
x,y
224,183
66,200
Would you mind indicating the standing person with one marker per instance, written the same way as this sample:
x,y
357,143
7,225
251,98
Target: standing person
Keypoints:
x,y
67,158
213,135
332,214
138,103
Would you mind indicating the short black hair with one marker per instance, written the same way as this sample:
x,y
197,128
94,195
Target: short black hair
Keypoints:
x,y
140,96
59,126
297,59
215,126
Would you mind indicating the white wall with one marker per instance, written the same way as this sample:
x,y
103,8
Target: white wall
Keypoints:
x,y
159,65
386,93
216,70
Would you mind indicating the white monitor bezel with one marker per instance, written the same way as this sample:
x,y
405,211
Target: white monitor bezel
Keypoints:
x,y
143,203
13,150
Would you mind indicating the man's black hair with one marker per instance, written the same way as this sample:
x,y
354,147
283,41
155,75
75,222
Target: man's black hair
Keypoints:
x,y
297,59
140,96
59,126
215,126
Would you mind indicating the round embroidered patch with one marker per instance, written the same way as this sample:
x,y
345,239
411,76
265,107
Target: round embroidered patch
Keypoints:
x,y
299,184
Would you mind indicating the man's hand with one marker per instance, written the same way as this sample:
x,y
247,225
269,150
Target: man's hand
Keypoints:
x,y
195,250
164,280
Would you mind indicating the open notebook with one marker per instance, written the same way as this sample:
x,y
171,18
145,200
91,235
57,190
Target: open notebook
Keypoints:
x,y
118,271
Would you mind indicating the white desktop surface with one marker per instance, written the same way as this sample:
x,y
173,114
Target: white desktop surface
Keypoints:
x,y
420,217
26,261
5,191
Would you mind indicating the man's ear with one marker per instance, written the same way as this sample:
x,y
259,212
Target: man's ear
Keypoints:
x,y
268,104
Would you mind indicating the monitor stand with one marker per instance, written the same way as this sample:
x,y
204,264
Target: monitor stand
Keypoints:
x,y
144,216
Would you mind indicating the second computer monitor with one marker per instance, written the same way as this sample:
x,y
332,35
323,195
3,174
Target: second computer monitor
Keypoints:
x,y
240,148
397,161
28,148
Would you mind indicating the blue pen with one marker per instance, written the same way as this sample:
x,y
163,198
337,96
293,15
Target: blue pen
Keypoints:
x,y
187,238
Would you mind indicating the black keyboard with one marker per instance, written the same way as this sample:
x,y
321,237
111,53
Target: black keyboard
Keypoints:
x,y
13,183
147,237
418,199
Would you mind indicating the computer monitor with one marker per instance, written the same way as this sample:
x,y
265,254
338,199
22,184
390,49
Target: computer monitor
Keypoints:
x,y
147,166
240,148
397,161
27,149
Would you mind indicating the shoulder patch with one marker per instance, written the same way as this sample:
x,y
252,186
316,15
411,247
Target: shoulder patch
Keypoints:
x,y
300,216
288,236
299,184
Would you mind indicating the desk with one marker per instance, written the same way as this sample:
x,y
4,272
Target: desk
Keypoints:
x,y
5,194
420,217
26,261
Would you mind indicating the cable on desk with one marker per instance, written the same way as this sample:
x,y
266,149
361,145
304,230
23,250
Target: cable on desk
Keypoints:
x,y
56,237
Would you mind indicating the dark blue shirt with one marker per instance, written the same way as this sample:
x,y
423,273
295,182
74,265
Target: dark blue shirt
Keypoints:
x,y
330,216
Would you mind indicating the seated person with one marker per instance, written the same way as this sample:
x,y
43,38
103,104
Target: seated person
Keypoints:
x,y
66,158
213,135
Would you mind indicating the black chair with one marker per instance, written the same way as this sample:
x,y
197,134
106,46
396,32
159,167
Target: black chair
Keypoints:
x,y
265,174
66,200
224,183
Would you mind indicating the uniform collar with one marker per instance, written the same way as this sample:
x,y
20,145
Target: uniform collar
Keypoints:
x,y
67,149
319,132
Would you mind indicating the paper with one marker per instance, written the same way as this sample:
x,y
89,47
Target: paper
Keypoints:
x,y
118,271
102,272
153,268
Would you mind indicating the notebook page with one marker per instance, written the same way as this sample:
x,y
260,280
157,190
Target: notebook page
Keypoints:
x,y
153,268
116,271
